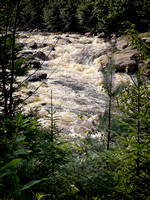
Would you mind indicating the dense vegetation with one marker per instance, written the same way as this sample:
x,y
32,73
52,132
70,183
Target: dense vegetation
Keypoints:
x,y
84,15
38,163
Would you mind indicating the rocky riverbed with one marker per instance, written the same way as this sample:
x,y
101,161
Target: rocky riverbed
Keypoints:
x,y
70,65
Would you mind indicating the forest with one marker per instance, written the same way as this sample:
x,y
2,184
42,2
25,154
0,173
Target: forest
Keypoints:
x,y
40,163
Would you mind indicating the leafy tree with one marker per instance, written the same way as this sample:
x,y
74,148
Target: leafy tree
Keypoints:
x,y
60,15
86,16
111,14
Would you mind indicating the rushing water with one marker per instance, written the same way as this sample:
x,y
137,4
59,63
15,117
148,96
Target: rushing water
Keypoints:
x,y
72,76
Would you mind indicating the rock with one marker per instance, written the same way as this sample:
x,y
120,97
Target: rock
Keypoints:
x,y
88,34
32,45
41,55
35,64
50,48
29,93
43,76
101,35
103,62
113,38
125,46
24,66
124,61
38,77
42,45
67,41
58,37
31,57
26,52
146,39
122,43
23,36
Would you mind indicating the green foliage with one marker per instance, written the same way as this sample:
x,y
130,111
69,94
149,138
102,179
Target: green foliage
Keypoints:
x,y
107,122
86,17
13,149
112,13
60,15
136,41
48,158
71,15
10,64
132,155
88,169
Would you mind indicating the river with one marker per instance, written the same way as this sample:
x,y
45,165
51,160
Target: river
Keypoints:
x,y
73,76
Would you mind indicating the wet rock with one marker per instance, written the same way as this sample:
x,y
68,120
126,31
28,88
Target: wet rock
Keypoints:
x,y
26,52
58,37
29,93
32,45
35,64
30,57
88,34
67,41
38,77
87,55
42,45
101,35
69,84
113,39
41,56
50,48
43,76
23,36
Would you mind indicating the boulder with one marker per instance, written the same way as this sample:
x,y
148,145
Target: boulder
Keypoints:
x,y
38,77
41,56
122,43
124,62
32,45
35,64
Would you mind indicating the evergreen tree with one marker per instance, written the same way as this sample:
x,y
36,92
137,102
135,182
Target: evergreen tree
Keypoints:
x,y
107,122
132,154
